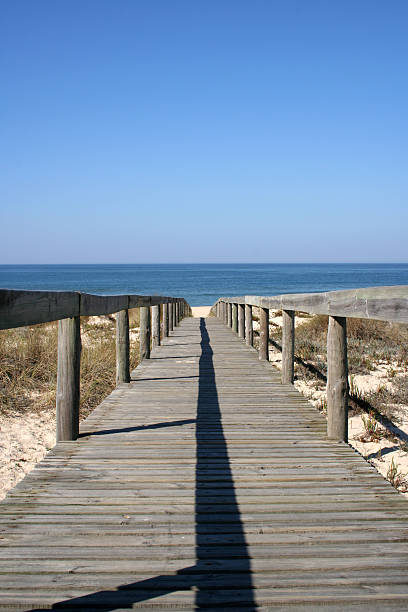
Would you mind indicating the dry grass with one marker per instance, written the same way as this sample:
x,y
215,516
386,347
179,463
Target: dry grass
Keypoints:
x,y
369,343
28,365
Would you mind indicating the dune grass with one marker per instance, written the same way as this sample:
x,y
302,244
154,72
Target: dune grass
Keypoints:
x,y
28,364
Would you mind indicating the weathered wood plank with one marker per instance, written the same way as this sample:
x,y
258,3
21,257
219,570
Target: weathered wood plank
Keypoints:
x,y
18,308
204,483
381,303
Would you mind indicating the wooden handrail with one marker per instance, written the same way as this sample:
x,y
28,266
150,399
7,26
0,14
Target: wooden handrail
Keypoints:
x,y
21,308
378,303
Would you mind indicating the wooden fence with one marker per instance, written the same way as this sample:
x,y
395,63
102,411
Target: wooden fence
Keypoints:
x,y
20,308
380,303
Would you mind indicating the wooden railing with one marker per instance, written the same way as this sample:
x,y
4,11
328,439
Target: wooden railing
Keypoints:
x,y
20,308
380,303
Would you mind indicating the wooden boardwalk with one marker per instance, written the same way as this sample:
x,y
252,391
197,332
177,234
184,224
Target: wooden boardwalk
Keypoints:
x,y
204,483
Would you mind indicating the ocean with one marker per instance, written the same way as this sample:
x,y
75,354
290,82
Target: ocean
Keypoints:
x,y
201,284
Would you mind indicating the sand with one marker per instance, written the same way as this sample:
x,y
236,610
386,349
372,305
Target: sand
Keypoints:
x,y
201,311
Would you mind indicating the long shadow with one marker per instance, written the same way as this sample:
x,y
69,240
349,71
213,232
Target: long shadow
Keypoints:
x,y
221,577
105,432
212,511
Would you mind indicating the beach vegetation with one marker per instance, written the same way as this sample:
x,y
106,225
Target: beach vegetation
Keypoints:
x,y
28,364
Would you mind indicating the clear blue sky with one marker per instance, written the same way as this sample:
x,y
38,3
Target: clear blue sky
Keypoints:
x,y
204,130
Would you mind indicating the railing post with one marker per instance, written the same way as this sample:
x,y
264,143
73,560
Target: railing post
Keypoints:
x,y
337,379
241,320
122,347
156,325
68,378
174,314
229,314
264,334
235,318
145,326
288,347
178,318
225,312
171,316
165,319
249,330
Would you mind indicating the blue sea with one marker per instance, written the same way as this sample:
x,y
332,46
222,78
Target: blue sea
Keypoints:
x,y
201,284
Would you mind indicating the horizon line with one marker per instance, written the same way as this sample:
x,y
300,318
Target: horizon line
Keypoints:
x,y
206,263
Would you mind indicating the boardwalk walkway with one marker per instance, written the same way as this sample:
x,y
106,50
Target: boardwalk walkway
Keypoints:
x,y
204,483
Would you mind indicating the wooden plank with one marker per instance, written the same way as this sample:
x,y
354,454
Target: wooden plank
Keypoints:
x,y
381,303
93,305
18,308
204,483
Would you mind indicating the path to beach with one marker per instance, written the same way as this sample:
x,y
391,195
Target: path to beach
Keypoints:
x,y
201,311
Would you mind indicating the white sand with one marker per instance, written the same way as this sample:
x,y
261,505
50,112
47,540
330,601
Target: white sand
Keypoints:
x,y
201,311
24,440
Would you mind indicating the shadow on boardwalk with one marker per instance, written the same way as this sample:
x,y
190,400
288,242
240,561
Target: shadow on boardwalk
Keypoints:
x,y
211,574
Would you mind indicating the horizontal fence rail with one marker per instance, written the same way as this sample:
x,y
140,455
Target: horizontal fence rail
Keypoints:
x,y
19,308
377,303
22,308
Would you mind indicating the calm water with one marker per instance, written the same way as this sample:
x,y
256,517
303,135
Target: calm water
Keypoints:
x,y
202,284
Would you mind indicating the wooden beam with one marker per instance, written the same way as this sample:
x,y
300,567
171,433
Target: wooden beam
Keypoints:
x,y
249,330
379,303
68,378
18,308
337,379
122,347
235,318
241,320
97,305
170,308
174,314
156,325
145,332
288,347
264,334
229,314
165,320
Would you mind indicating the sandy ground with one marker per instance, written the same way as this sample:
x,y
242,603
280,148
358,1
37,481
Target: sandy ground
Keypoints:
x,y
24,440
201,311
